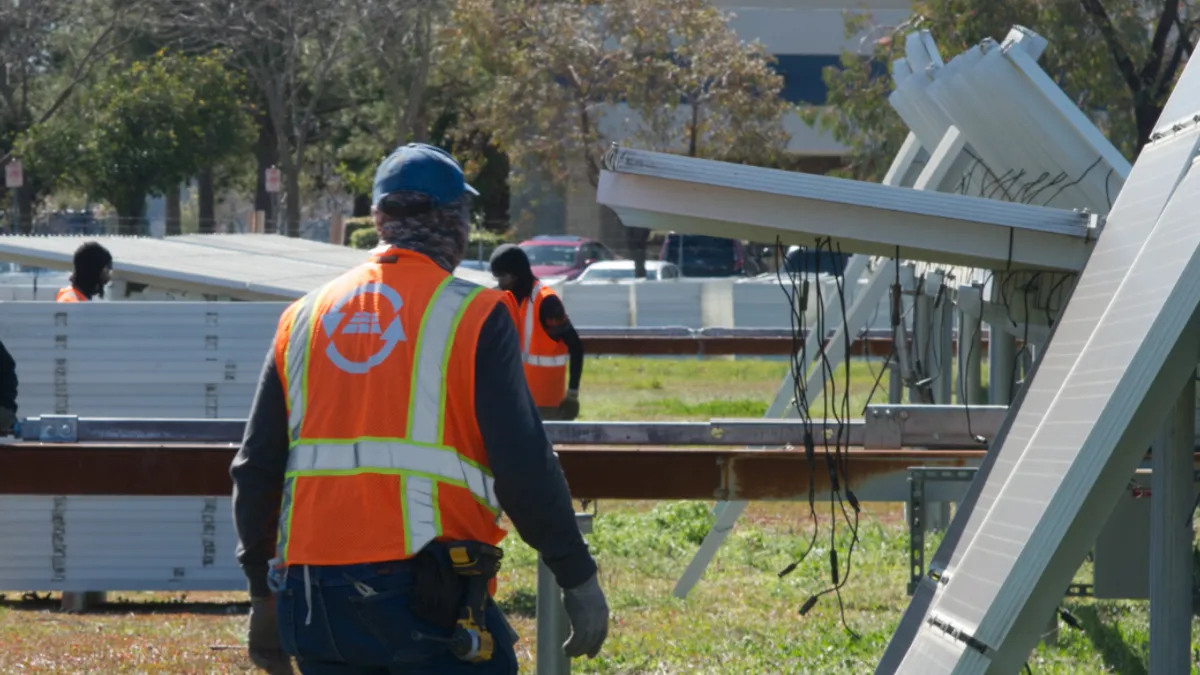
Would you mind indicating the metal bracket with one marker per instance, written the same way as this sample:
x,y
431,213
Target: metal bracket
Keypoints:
x,y
917,477
51,429
892,427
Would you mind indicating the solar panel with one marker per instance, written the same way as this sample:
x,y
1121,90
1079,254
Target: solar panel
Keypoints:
x,y
1123,349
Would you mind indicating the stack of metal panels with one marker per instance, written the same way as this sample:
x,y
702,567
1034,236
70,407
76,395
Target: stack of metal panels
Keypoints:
x,y
118,544
138,359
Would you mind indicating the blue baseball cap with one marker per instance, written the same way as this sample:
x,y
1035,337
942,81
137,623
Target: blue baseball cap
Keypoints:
x,y
418,167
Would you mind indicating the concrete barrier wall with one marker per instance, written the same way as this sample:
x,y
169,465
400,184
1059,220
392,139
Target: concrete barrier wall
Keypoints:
x,y
695,304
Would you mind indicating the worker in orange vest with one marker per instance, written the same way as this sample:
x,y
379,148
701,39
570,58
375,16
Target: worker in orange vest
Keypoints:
x,y
391,422
547,336
93,271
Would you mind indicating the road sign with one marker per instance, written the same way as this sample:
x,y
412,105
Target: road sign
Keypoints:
x,y
272,179
14,175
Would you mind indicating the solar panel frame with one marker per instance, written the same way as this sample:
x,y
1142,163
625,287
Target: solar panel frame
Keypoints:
x,y
986,595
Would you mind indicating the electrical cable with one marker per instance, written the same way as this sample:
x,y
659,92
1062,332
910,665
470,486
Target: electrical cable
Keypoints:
x,y
1073,183
835,463
796,292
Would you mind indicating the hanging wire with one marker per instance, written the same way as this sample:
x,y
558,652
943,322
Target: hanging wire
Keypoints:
x,y
843,504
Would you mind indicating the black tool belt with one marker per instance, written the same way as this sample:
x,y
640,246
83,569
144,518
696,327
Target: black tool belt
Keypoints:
x,y
439,593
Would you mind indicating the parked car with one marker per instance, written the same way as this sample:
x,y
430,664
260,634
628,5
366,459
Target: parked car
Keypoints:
x,y
471,264
616,271
563,257
699,255
807,260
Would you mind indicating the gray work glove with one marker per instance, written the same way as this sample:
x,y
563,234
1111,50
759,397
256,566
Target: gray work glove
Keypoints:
x,y
8,418
568,408
264,648
588,612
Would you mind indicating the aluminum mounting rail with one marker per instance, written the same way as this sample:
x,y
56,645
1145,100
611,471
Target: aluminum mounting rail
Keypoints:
x,y
668,192
885,427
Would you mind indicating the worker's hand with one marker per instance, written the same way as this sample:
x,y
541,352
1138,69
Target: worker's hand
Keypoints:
x,y
588,612
8,418
568,408
264,648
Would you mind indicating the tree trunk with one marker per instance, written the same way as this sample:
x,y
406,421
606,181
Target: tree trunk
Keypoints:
x,y
292,198
1146,116
362,206
636,239
207,200
267,154
131,215
174,212
25,208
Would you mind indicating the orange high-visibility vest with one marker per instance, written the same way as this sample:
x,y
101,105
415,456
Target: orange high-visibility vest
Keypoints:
x,y
545,358
385,454
70,294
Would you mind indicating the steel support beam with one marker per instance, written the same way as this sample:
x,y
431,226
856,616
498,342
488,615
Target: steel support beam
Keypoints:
x,y
593,473
1171,537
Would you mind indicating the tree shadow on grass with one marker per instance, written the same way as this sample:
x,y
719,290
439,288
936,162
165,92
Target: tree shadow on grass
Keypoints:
x,y
1107,640
116,605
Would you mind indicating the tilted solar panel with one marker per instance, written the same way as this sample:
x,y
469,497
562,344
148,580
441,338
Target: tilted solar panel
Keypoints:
x,y
1123,348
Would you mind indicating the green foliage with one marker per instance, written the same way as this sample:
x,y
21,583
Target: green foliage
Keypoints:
x,y
355,225
553,68
364,238
360,233
1080,58
144,129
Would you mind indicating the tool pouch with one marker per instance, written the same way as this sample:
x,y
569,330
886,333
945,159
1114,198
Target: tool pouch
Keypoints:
x,y
438,592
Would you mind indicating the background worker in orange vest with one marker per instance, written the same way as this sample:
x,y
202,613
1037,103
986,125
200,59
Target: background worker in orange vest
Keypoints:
x,y
547,336
392,419
93,270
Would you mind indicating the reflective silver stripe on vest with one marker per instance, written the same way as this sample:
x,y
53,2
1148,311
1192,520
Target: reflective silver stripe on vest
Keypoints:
x,y
527,354
419,459
383,456
297,360
426,399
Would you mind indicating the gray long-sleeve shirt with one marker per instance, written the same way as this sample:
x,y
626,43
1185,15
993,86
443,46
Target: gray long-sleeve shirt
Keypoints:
x,y
529,481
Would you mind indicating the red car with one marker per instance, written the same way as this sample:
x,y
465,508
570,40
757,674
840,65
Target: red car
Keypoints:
x,y
554,256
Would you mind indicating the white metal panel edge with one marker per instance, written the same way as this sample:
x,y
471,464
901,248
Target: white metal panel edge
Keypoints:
x,y
260,267
844,192
707,208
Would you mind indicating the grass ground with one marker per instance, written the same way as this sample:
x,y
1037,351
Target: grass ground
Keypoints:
x,y
741,619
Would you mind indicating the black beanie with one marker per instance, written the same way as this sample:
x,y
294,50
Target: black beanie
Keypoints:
x,y
90,259
510,259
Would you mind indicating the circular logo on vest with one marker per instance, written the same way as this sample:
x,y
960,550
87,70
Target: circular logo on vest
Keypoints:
x,y
364,323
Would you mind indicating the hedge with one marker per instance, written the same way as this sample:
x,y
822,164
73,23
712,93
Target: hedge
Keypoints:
x,y
360,233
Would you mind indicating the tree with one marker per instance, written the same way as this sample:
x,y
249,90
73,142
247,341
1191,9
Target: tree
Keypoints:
x,y
1118,61
294,52
48,49
557,72
143,130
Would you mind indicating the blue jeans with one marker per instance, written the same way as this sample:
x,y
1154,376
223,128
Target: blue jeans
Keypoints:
x,y
344,633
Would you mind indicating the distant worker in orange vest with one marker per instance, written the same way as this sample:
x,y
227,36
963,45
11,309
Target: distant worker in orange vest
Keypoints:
x,y
391,425
547,336
93,271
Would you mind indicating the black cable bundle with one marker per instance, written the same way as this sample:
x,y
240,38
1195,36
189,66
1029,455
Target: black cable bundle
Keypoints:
x,y
796,291
836,462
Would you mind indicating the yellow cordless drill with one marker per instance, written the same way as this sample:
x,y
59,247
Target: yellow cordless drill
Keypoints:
x,y
478,563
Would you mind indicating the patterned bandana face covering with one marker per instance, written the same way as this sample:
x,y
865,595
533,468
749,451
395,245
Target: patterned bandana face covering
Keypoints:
x,y
441,234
